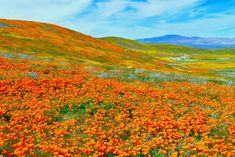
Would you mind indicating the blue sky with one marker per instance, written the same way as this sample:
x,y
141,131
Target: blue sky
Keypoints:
x,y
130,18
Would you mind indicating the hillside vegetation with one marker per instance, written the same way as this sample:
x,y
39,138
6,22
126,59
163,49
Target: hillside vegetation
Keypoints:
x,y
214,63
51,109
55,42
51,41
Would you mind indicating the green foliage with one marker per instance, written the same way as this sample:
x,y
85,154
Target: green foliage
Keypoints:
x,y
109,155
73,110
154,153
220,130
4,25
140,154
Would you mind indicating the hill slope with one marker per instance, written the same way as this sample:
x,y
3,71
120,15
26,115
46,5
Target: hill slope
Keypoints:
x,y
53,41
192,41
218,63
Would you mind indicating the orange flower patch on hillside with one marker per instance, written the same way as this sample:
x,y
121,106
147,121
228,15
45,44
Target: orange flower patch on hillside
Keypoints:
x,y
52,110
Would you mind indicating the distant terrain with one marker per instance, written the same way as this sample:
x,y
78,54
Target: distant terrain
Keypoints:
x,y
210,63
199,42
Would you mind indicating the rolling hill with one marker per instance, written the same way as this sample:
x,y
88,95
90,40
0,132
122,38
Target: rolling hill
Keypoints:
x,y
49,41
192,41
215,63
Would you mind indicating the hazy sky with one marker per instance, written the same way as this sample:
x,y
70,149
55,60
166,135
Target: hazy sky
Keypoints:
x,y
130,18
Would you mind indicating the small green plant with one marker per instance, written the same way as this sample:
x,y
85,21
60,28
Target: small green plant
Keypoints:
x,y
154,153
220,130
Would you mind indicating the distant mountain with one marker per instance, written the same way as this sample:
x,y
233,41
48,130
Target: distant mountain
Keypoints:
x,y
195,41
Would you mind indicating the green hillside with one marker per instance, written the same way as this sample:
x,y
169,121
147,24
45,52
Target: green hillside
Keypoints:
x,y
204,62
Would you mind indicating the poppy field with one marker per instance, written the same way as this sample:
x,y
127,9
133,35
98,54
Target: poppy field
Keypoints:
x,y
53,109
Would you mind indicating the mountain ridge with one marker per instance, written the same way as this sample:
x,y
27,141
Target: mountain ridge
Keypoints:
x,y
194,41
